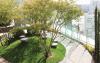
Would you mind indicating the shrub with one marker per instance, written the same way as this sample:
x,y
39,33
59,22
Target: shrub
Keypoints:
x,y
5,23
4,41
30,31
32,52
90,48
16,32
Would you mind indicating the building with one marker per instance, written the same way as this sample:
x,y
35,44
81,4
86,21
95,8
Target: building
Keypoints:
x,y
89,25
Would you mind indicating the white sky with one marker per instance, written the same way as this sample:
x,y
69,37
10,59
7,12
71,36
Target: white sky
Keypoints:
x,y
83,1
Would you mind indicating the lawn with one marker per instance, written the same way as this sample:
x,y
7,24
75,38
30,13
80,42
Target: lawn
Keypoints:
x,y
57,54
30,52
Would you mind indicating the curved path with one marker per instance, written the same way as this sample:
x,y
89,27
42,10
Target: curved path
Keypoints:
x,y
75,52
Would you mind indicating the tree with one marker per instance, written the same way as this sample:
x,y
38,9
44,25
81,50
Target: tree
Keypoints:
x,y
49,15
6,11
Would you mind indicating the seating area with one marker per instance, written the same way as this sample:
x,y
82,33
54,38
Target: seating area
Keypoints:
x,y
49,31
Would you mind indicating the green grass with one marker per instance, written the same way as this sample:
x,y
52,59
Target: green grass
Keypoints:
x,y
5,49
30,52
57,54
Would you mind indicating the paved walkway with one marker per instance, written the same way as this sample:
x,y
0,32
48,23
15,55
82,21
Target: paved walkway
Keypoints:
x,y
75,53
2,60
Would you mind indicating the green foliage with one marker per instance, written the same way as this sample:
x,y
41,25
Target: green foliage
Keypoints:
x,y
47,12
30,30
6,12
37,10
57,54
19,52
67,11
43,14
6,49
30,52
16,32
4,41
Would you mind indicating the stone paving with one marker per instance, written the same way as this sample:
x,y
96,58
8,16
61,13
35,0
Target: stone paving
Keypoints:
x,y
2,60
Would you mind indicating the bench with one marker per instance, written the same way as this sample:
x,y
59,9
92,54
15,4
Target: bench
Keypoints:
x,y
54,44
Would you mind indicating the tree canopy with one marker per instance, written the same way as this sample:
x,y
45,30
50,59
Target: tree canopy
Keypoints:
x,y
6,11
48,11
44,15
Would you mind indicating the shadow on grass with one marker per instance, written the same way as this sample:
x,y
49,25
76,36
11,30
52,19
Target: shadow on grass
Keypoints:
x,y
28,52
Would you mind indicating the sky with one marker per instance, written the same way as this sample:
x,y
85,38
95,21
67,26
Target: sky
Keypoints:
x,y
83,1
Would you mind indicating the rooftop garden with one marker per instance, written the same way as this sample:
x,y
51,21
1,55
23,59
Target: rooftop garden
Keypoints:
x,y
42,16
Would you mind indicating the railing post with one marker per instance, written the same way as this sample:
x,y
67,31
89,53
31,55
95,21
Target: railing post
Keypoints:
x,y
96,54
